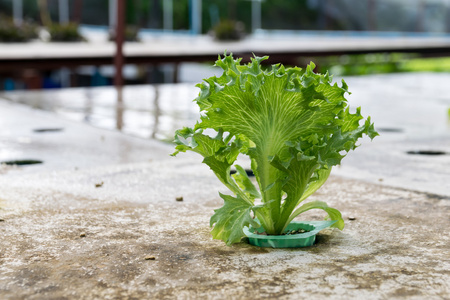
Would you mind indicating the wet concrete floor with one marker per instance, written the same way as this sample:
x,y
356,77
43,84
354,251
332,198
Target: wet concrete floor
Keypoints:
x,y
410,111
87,223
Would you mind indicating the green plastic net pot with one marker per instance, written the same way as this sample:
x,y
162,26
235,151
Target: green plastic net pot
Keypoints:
x,y
288,241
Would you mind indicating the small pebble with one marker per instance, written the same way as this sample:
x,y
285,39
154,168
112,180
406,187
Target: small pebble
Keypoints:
x,y
179,198
150,257
83,234
352,218
97,185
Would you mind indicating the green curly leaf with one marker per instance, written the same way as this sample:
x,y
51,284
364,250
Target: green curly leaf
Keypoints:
x,y
230,219
294,125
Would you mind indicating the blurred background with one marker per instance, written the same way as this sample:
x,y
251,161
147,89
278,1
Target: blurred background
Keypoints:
x,y
132,66
92,23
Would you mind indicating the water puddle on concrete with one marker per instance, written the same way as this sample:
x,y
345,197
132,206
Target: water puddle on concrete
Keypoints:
x,y
146,111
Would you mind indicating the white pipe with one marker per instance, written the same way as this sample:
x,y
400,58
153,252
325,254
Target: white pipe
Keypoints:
x,y
112,15
256,15
64,74
17,12
63,6
168,15
196,16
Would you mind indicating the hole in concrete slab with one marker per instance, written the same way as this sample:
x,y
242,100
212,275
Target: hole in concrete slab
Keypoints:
x,y
41,130
426,152
390,129
249,172
22,162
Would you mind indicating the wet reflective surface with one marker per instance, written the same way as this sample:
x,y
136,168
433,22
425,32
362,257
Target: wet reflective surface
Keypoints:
x,y
411,111
150,111
403,106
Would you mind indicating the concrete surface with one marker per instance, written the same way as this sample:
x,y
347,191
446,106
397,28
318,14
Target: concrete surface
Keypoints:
x,y
146,110
188,47
74,146
81,225
410,110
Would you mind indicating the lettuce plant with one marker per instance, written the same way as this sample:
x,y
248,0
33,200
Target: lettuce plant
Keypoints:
x,y
295,126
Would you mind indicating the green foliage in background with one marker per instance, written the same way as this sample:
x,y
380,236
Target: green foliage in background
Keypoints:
x,y
11,33
65,32
131,34
290,15
381,63
229,30
30,9
441,64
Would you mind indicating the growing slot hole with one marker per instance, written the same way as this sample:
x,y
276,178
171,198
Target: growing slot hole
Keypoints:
x,y
42,130
22,162
390,129
426,152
